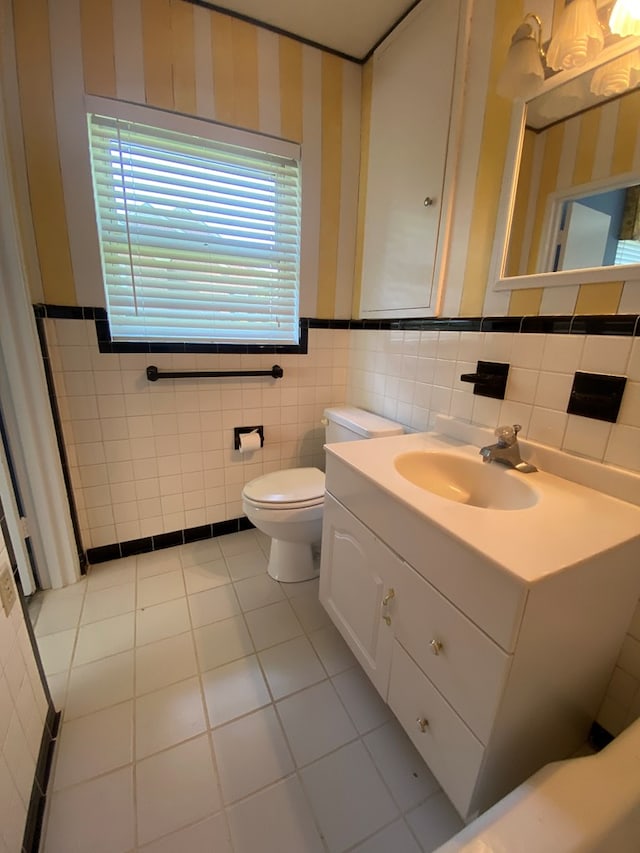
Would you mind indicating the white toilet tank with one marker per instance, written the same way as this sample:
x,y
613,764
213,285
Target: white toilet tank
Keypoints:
x,y
347,423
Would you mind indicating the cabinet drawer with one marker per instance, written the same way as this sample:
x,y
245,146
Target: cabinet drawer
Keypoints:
x,y
451,750
466,666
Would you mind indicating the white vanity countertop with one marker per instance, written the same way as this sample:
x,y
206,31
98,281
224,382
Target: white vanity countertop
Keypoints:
x,y
568,524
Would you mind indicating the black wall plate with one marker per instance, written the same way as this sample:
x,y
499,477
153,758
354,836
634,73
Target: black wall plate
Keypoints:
x,y
596,395
489,380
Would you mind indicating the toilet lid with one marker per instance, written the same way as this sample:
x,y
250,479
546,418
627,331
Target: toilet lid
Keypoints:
x,y
291,486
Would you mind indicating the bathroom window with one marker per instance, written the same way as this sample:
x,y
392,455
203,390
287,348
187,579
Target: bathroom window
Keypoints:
x,y
199,237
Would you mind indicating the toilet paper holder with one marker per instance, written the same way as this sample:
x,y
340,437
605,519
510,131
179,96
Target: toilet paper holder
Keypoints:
x,y
238,431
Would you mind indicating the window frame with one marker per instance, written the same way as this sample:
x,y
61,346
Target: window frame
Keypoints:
x,y
217,132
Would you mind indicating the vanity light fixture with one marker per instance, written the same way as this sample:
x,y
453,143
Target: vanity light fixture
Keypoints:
x,y
578,37
625,18
523,74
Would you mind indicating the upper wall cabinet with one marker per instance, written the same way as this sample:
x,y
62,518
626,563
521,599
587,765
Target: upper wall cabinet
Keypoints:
x,y
411,157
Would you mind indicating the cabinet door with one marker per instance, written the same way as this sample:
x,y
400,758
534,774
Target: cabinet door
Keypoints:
x,y
356,588
412,89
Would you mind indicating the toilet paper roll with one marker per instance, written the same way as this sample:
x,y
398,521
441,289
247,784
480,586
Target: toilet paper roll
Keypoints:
x,y
249,441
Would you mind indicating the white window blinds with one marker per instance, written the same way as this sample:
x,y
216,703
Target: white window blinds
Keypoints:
x,y
200,240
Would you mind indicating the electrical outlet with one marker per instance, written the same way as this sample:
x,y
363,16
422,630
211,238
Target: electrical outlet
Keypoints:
x,y
7,590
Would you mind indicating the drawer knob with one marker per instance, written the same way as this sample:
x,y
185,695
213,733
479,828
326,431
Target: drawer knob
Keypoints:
x,y
436,646
423,723
385,603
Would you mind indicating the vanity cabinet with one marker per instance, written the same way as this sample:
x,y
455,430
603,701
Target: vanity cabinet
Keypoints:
x,y
357,590
491,676
410,154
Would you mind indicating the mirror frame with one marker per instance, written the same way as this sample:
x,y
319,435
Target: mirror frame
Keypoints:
x,y
629,273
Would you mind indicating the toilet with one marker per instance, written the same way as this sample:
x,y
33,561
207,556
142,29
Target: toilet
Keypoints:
x,y
288,505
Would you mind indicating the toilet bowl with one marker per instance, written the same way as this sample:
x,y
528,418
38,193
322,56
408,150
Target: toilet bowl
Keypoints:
x,y
288,505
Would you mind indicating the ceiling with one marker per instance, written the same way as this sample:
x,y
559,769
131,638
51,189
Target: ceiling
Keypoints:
x,y
351,27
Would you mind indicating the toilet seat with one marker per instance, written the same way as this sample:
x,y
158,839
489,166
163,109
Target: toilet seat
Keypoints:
x,y
293,488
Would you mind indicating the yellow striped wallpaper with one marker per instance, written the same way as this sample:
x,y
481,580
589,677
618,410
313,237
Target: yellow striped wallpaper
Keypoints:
x,y
169,47
176,56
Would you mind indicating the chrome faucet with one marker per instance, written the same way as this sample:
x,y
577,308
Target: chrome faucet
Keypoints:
x,y
506,450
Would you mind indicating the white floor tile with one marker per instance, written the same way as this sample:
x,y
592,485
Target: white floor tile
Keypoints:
x,y
165,662
361,699
114,573
347,796
291,666
258,592
212,605
233,690
175,788
247,565
309,611
237,543
302,588
56,651
206,576
58,614
198,553
332,650
58,688
251,753
112,601
168,716
315,722
186,645
96,815
158,563
208,836
94,744
277,820
221,642
161,621
434,822
159,588
99,685
407,776
397,838
273,624
107,637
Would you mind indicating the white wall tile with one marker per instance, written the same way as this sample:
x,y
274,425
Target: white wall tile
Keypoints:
x,y
553,390
562,353
605,354
586,436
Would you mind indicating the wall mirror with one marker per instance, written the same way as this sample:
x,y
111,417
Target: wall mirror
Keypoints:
x,y
570,207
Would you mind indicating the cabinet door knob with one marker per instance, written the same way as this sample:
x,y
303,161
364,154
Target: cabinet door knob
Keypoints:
x,y
423,723
385,603
428,202
436,646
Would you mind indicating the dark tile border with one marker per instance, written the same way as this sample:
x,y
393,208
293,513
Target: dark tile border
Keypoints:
x,y
576,324
146,544
38,800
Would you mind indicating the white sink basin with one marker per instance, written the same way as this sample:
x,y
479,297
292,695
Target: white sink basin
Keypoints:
x,y
465,481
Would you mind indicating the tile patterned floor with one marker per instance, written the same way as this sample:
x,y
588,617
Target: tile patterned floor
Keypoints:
x,y
208,708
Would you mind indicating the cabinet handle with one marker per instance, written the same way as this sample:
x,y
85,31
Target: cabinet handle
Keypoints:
x,y
436,646
385,603
428,202
423,723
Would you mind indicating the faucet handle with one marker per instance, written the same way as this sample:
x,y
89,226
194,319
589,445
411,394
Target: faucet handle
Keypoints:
x,y
508,434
